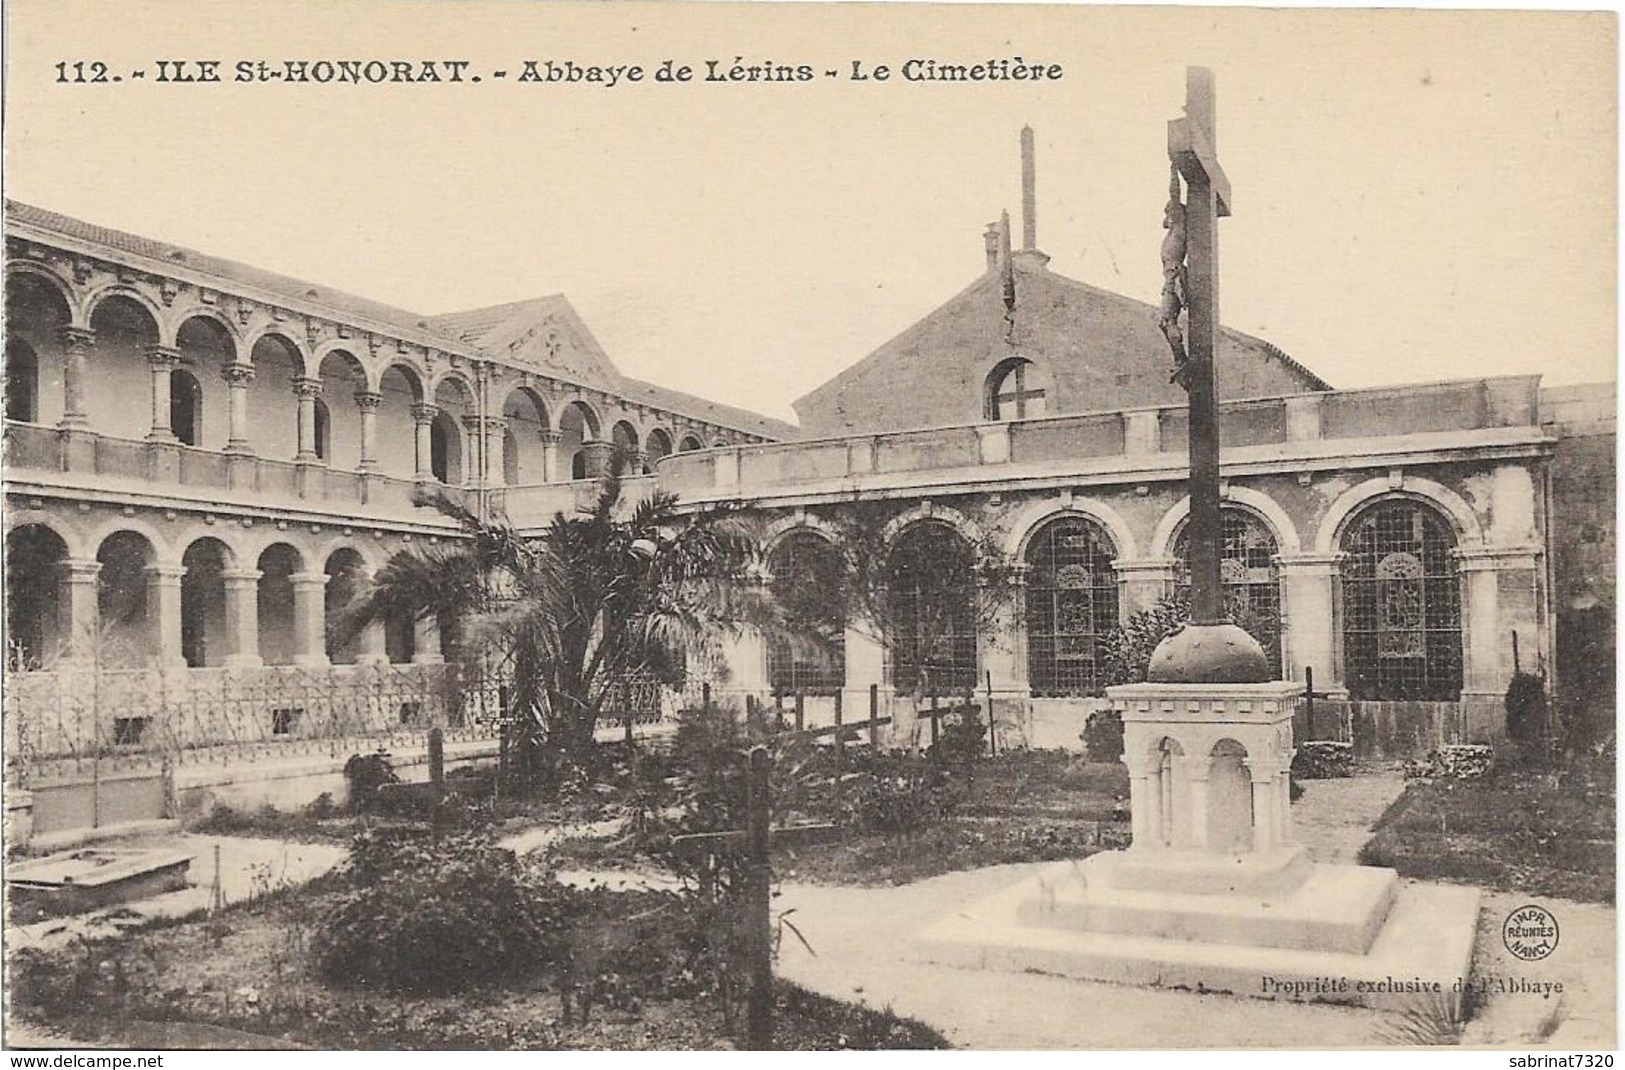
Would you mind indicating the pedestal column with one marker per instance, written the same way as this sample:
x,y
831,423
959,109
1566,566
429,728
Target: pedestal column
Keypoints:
x,y
306,391
1143,582
164,613
162,360
237,377
309,618
550,457
76,343
78,578
242,617
495,451
368,402
422,420
1308,616
426,642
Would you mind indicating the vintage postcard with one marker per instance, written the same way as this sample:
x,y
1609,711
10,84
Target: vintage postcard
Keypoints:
x,y
808,526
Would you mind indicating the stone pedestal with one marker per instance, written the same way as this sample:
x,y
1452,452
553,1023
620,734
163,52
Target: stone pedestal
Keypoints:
x,y
1215,893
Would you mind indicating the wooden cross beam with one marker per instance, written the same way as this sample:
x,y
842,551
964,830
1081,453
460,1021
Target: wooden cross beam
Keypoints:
x,y
1193,140
737,841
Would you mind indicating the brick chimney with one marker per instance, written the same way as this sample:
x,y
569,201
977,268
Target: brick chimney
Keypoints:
x,y
990,238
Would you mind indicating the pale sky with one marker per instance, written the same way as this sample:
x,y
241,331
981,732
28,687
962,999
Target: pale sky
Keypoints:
x,y
1418,195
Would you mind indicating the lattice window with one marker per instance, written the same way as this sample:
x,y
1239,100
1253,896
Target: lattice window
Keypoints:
x,y
807,580
1401,605
1247,570
932,596
1071,606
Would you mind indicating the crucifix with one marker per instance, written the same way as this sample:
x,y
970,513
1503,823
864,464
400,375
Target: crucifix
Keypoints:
x,y
1208,649
1193,155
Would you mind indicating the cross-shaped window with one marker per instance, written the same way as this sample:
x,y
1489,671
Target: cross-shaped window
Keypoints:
x,y
1015,393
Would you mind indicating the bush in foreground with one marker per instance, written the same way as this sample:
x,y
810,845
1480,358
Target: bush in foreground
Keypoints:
x,y
441,916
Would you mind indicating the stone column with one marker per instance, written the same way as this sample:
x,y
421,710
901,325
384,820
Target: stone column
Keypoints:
x,y
495,451
550,457
242,617
163,360
639,462
1196,769
422,419
309,618
79,596
1145,791
164,613
1143,582
306,391
1266,825
237,377
598,455
370,649
368,402
76,343
426,642
1308,618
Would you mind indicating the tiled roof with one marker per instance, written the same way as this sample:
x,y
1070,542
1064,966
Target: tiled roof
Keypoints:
x,y
483,329
710,411
218,266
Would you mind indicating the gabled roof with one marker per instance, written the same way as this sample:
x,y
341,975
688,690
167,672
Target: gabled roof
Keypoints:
x,y
1099,350
543,334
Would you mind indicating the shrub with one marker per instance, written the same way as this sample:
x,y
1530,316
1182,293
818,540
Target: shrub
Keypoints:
x,y
1526,707
1129,647
1323,759
963,740
900,793
439,917
365,774
1454,761
1103,736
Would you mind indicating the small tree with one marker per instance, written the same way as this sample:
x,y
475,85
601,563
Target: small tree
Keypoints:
x,y
1130,646
946,585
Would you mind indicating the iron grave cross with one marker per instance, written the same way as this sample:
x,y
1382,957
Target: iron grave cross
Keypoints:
x,y
1193,154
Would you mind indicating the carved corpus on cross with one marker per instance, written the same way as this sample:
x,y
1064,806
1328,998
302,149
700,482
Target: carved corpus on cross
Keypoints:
x,y
1208,649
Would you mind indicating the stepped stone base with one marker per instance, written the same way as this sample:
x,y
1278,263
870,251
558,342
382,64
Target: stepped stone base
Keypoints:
x,y
1344,934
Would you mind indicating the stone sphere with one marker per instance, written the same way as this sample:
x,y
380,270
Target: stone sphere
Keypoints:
x,y
1209,654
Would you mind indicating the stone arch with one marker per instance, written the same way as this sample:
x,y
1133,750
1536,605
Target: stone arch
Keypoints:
x,y
408,373
126,329
343,375
400,632
623,435
296,352
216,320
524,455
690,442
1229,797
967,528
459,380
932,606
1258,503
1400,601
1025,522
70,534
1070,605
803,566
162,330
38,616
793,522
163,548
348,573
22,381
400,389
208,343
657,444
127,636
203,601
278,563
1468,530
71,305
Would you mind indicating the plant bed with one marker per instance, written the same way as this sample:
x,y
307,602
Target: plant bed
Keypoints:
x,y
254,969
1536,831
1021,806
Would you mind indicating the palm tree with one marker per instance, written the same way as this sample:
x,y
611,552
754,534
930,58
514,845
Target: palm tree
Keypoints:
x,y
574,615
